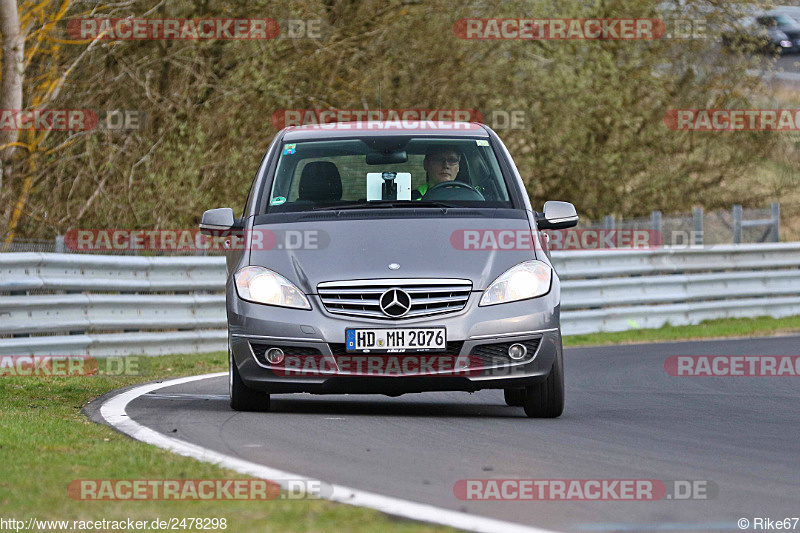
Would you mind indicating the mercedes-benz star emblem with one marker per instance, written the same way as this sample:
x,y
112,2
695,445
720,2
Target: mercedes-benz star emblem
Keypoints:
x,y
395,303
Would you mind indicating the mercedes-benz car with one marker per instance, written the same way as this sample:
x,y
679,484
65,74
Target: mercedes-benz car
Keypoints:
x,y
391,258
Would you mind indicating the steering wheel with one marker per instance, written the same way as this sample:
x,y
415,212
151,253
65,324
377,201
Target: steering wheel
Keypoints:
x,y
444,190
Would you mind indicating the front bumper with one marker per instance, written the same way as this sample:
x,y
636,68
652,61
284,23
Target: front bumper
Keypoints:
x,y
472,333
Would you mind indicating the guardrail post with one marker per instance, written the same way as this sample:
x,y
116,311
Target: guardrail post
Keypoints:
x,y
737,224
697,225
61,247
655,222
775,209
608,222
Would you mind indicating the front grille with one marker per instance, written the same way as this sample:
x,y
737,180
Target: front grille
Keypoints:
x,y
362,298
260,349
497,354
452,348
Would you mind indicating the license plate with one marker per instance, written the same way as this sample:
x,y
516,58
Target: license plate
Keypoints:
x,y
396,340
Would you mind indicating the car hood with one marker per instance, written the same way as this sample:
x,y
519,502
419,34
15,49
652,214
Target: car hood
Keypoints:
x,y
308,253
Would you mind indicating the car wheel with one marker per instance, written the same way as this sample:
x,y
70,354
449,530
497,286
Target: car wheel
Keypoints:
x,y
244,398
514,397
546,399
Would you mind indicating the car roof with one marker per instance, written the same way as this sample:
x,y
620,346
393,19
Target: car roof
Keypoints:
x,y
387,128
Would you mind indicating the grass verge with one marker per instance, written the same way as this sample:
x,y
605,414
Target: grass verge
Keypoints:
x,y
708,329
46,442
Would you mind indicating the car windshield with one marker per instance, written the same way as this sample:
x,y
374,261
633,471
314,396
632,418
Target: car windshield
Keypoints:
x,y
387,172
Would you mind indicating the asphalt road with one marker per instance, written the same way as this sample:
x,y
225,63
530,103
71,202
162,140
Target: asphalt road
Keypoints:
x,y
625,418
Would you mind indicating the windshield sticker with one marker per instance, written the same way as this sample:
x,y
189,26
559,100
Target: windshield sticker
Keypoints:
x,y
289,149
482,143
278,200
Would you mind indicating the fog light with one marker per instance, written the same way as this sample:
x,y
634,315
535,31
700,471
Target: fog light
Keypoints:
x,y
517,351
274,355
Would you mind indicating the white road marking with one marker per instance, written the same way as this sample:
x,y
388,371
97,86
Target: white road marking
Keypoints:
x,y
223,397
113,411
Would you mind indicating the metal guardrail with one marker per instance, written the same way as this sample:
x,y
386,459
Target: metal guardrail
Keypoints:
x,y
617,290
113,305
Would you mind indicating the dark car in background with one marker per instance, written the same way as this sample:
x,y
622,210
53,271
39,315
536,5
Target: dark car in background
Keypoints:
x,y
767,33
389,275
776,23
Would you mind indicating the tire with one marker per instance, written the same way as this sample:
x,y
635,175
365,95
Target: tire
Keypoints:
x,y
514,397
244,398
546,399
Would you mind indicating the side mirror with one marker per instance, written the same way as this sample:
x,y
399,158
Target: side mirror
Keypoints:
x,y
558,215
215,220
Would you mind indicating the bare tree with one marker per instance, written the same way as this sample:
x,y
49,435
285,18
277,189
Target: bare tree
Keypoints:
x,y
13,67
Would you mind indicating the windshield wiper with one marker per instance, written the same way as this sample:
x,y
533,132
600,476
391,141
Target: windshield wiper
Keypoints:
x,y
427,203
386,203
360,205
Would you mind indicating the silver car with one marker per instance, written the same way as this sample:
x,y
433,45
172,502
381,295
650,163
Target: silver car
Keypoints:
x,y
389,258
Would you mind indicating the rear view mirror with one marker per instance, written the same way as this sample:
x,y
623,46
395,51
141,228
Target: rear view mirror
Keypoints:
x,y
387,158
558,215
215,220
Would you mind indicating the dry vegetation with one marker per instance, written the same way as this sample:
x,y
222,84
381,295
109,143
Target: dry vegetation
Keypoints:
x,y
595,133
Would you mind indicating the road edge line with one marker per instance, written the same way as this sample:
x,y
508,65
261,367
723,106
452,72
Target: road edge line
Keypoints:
x,y
113,411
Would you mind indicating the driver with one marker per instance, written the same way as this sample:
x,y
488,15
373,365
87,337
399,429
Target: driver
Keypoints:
x,y
441,164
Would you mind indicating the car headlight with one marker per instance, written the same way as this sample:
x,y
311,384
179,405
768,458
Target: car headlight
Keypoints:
x,y
263,286
525,280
